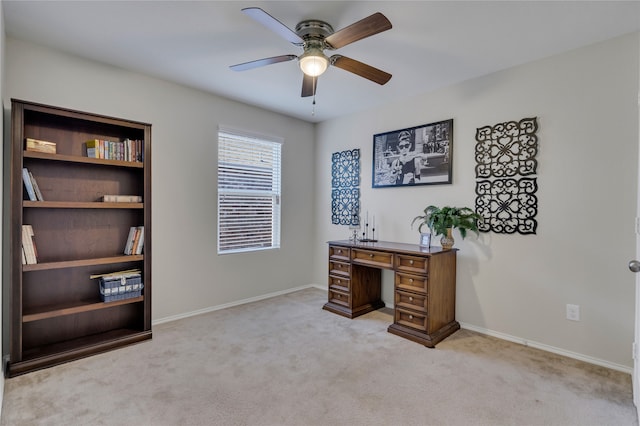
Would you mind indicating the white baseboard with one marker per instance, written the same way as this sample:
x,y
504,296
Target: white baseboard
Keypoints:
x,y
499,335
552,349
231,304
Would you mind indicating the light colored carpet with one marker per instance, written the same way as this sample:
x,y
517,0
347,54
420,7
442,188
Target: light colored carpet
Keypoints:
x,y
285,361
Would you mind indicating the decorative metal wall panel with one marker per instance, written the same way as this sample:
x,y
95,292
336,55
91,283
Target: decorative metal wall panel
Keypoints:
x,y
345,187
507,205
506,201
344,202
345,169
507,149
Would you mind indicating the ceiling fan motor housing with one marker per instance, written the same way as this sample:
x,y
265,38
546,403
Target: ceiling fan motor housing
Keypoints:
x,y
313,32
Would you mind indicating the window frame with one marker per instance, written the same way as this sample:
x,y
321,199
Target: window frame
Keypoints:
x,y
236,143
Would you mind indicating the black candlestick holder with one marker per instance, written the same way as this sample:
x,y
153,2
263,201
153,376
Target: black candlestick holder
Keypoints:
x,y
365,235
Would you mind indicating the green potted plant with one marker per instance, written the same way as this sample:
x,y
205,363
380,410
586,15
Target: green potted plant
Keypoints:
x,y
442,220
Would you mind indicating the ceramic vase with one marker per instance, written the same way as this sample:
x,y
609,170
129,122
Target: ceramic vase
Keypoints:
x,y
447,240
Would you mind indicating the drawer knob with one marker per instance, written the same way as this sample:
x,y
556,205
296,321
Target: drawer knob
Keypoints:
x,y
339,266
339,281
371,255
411,262
337,296
339,251
410,280
410,299
410,316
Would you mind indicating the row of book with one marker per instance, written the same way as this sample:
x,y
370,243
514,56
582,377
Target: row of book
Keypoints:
x,y
34,193
29,252
30,184
135,241
127,150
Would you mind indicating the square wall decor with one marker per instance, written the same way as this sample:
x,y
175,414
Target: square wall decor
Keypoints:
x,y
505,183
345,187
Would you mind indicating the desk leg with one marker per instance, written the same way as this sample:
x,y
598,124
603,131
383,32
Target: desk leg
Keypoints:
x,y
365,293
429,340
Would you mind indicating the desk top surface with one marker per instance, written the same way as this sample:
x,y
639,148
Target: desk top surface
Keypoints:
x,y
390,246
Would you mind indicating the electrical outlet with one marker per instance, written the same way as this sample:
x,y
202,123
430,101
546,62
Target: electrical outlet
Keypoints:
x,y
573,312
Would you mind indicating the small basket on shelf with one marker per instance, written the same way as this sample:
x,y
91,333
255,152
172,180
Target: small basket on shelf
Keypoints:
x,y
120,287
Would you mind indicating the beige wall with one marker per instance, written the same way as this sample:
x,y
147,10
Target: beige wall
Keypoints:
x,y
509,285
517,286
188,275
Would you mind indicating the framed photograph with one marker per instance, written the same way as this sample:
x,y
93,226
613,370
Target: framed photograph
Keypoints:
x,y
425,239
420,155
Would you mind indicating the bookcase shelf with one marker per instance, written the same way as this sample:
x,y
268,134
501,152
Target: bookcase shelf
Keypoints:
x,y
83,160
68,350
74,308
55,312
79,205
82,262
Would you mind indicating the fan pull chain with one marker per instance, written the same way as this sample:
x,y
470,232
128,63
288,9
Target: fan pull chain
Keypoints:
x,y
313,107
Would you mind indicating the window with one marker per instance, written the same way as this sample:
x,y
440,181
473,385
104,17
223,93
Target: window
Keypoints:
x,y
248,192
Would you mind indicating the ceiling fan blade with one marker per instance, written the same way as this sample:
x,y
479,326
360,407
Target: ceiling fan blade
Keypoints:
x,y
361,69
262,62
364,28
309,85
273,24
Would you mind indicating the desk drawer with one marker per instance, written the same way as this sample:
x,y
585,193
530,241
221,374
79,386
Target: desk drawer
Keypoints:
x,y
339,268
340,253
411,319
373,258
339,282
412,264
339,297
413,301
415,283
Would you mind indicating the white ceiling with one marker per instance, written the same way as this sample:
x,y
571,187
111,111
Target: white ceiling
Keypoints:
x,y
432,44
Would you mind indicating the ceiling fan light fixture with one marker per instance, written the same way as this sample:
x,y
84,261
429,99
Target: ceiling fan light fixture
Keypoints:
x,y
313,62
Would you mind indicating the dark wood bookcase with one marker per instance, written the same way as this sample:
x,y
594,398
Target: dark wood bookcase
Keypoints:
x,y
56,314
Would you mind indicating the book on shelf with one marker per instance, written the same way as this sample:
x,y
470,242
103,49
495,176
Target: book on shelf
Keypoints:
x,y
36,188
26,179
29,245
137,248
121,198
117,274
135,240
40,146
93,148
129,244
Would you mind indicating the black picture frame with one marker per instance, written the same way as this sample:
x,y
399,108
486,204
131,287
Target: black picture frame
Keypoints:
x,y
428,160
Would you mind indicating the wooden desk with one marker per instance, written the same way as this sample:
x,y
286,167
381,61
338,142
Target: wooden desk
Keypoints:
x,y
424,286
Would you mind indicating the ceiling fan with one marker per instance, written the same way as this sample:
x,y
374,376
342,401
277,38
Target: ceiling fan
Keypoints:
x,y
314,37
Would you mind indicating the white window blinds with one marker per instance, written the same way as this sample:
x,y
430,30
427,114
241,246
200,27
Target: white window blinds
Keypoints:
x,y
248,192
